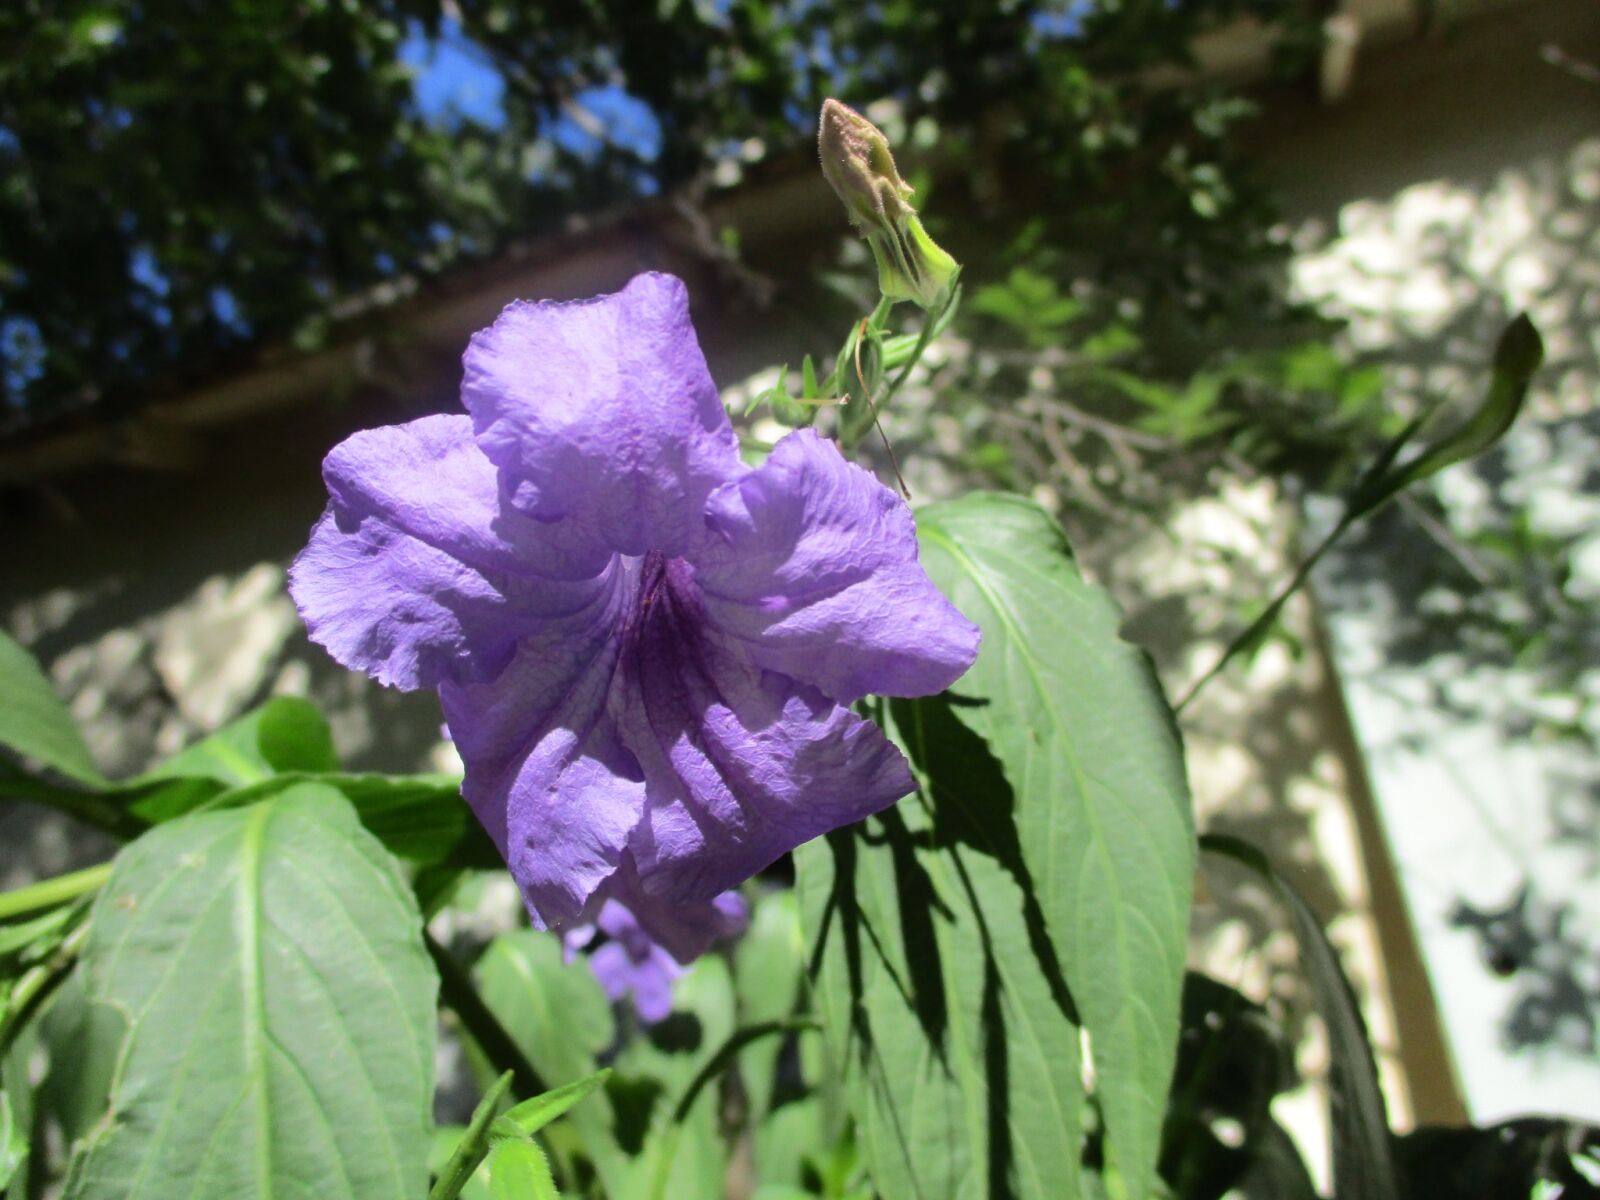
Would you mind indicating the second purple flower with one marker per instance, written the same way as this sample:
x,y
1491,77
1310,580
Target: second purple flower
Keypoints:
x,y
644,648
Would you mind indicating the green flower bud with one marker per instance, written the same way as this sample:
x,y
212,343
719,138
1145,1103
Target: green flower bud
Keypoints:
x,y
858,165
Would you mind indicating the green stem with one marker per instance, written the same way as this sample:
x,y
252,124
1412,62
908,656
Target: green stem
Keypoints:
x,y
460,996
725,1054
474,1143
48,893
37,984
1268,614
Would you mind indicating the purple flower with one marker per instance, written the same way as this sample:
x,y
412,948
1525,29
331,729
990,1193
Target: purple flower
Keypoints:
x,y
643,647
632,961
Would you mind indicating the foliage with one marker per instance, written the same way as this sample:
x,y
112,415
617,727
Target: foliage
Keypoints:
x,y
916,1018
275,170
978,992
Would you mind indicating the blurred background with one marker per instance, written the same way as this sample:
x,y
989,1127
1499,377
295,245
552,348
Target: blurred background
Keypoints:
x,y
1216,253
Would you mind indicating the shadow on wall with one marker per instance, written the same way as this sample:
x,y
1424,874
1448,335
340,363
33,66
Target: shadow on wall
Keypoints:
x,y
1476,607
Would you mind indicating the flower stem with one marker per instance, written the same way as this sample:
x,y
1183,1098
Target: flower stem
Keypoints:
x,y
474,1143
48,893
460,996
38,984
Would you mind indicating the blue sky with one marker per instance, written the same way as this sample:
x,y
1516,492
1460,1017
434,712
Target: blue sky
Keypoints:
x,y
457,80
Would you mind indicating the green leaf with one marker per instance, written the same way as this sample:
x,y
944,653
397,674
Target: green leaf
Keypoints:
x,y
527,1118
519,1171
682,1154
33,721
459,1168
275,1008
786,1139
1086,741
1363,1166
941,996
284,734
446,1140
1517,356
13,1142
768,970
421,818
82,1054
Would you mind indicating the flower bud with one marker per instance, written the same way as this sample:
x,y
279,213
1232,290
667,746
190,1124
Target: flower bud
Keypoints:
x,y
857,163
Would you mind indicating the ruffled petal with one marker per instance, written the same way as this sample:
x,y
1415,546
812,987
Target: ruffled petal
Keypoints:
x,y
813,565
411,575
686,929
546,772
604,410
429,478
741,765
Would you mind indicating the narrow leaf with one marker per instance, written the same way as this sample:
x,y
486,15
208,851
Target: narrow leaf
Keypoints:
x,y
527,1118
1517,356
519,1171
1363,1165
472,1147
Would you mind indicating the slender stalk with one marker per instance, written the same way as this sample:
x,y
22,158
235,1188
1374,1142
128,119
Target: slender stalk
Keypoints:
x,y
720,1061
460,996
38,984
48,893
1269,614
474,1143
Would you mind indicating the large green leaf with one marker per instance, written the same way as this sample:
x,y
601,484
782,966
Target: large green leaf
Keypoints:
x,y
1077,721
276,1009
34,722
940,992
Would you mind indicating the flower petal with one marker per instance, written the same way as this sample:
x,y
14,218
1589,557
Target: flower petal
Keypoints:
x,y
604,410
545,770
429,478
411,576
685,928
741,764
815,567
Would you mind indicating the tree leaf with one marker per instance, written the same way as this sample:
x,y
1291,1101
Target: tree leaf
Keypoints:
x,y
33,721
940,992
277,1012
1363,1166
1080,728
